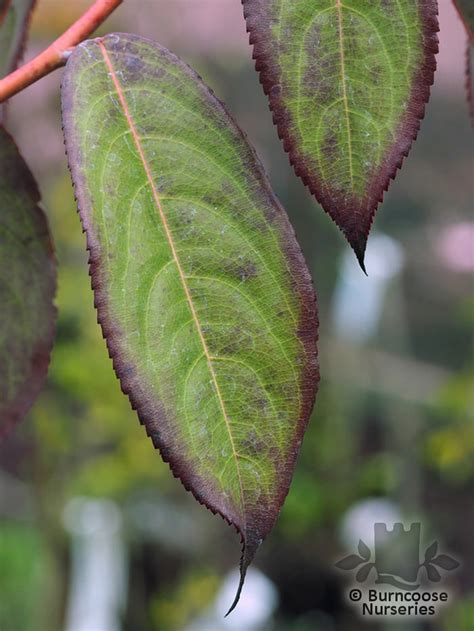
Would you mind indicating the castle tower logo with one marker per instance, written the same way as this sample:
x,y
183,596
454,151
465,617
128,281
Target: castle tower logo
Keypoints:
x,y
396,560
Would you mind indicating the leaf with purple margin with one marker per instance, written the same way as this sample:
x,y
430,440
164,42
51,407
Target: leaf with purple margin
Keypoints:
x,y
201,289
27,287
347,82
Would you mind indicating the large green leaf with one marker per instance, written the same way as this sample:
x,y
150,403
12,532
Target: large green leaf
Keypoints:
x,y
201,289
14,19
27,286
347,82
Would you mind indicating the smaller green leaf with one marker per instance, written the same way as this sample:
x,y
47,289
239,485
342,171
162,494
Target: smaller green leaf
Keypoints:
x,y
347,82
14,21
27,287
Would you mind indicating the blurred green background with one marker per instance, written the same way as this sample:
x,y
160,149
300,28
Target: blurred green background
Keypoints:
x,y
392,434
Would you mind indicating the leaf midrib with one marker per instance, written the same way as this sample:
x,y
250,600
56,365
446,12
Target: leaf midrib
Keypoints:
x,y
344,89
156,198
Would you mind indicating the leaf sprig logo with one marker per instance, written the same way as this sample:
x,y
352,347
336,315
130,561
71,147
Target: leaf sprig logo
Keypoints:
x,y
397,558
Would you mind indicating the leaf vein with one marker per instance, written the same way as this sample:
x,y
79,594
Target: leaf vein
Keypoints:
x,y
147,170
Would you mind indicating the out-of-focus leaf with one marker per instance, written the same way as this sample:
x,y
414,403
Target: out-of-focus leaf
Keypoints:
x,y
201,289
466,11
347,83
14,21
27,286
470,77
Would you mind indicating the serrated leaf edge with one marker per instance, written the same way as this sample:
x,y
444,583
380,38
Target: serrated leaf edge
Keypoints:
x,y
42,353
308,325
407,132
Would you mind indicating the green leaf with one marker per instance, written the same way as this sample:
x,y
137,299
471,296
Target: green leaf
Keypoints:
x,y
201,289
14,21
347,82
27,287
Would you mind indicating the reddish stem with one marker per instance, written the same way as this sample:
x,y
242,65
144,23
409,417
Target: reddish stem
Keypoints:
x,y
57,53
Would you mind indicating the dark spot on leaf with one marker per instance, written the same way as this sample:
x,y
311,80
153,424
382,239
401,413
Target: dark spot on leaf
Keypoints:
x,y
252,444
245,271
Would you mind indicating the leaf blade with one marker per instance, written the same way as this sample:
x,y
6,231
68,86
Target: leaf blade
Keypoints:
x,y
253,269
27,288
325,67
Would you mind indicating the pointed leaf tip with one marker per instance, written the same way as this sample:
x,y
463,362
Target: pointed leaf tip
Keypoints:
x,y
357,238
249,551
359,248
347,124
243,573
